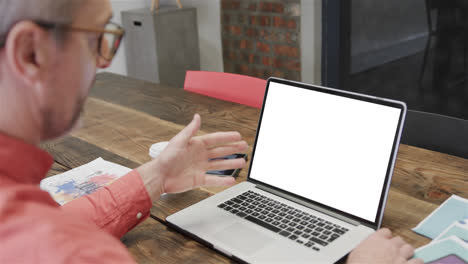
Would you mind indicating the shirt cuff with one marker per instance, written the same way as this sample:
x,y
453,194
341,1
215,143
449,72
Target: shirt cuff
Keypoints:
x,y
132,200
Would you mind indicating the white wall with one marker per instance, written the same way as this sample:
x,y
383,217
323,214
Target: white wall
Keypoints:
x,y
209,30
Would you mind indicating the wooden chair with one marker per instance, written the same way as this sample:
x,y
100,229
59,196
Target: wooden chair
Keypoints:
x,y
436,132
231,87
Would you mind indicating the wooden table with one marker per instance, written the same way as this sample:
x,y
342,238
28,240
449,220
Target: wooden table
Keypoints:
x,y
123,117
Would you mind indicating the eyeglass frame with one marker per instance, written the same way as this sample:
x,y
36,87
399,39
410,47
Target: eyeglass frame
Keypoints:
x,y
120,33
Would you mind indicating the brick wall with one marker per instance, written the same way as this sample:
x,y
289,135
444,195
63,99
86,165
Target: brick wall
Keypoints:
x,y
261,38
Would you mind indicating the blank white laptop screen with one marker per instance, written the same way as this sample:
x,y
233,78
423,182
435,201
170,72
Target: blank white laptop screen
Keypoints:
x,y
330,149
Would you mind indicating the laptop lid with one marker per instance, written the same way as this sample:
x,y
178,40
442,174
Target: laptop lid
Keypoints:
x,y
333,149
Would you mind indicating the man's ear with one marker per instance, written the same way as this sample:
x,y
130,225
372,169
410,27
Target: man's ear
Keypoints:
x,y
28,50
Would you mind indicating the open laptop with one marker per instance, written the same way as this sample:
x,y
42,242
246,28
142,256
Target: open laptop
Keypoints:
x,y
318,181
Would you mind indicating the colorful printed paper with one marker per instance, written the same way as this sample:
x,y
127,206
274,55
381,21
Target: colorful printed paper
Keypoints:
x,y
82,180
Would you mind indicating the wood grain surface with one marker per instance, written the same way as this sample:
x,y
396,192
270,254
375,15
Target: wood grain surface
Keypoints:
x,y
123,117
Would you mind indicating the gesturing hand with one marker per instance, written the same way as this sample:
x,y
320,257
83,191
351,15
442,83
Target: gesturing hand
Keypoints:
x,y
381,248
183,164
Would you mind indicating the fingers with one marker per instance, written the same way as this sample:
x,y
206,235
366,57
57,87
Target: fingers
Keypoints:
x,y
189,131
407,251
220,138
384,232
398,241
415,261
211,180
218,152
226,164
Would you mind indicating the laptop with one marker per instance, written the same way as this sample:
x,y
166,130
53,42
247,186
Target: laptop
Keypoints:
x,y
318,180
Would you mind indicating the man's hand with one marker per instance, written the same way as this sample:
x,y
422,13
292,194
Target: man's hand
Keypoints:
x,y
381,248
184,162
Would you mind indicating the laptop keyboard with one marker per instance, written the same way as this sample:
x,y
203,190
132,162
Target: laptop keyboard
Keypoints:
x,y
287,221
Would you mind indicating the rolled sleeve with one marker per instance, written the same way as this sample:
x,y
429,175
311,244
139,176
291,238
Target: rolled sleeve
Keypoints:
x,y
116,208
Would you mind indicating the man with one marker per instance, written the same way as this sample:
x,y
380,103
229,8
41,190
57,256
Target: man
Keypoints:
x,y
49,53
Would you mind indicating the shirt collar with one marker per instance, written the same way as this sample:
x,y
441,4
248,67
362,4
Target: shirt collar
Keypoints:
x,y
22,162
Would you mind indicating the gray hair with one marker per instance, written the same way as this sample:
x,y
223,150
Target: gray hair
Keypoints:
x,y
53,11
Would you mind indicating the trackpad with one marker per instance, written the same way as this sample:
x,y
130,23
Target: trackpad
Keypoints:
x,y
243,238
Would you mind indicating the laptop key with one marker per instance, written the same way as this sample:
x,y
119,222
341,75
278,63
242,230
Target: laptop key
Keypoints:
x,y
255,214
323,237
264,224
338,231
309,244
293,237
290,229
235,200
316,248
222,205
283,226
284,233
227,208
241,197
275,223
235,211
241,214
318,241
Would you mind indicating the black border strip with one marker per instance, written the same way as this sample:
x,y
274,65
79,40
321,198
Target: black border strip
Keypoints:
x,y
361,97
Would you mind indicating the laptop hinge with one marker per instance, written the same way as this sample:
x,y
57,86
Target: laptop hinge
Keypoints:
x,y
309,205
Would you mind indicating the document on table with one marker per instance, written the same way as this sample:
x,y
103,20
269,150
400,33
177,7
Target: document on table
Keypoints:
x,y
451,250
448,227
82,180
453,209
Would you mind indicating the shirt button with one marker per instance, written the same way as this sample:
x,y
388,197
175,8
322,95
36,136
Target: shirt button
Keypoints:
x,y
139,215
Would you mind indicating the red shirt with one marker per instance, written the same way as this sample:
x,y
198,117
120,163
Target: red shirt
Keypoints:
x,y
35,229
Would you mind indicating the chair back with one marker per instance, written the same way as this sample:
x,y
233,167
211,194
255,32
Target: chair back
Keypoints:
x,y
436,132
231,87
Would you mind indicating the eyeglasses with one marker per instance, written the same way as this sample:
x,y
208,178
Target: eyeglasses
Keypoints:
x,y
109,40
